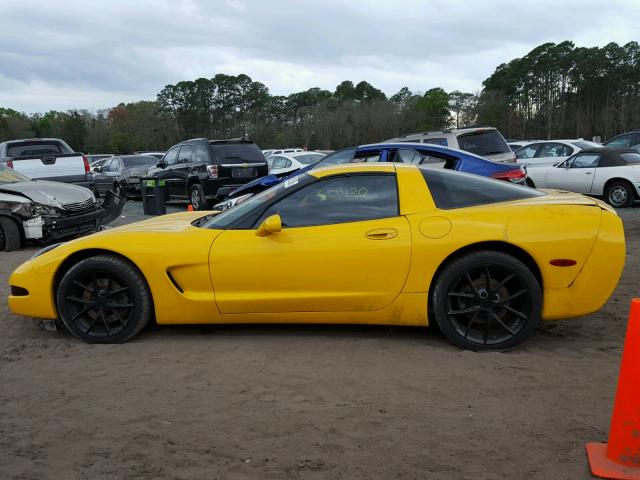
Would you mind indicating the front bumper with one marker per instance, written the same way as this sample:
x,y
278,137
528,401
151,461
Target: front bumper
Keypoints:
x,y
36,300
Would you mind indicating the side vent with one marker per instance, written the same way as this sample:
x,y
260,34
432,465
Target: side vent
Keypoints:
x,y
175,284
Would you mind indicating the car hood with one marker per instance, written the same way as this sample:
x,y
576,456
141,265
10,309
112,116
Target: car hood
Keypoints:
x,y
54,194
172,222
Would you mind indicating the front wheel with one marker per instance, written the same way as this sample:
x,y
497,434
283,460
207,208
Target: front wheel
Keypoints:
x,y
9,235
620,194
104,299
487,300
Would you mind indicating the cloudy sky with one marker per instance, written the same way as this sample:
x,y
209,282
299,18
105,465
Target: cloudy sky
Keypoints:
x,y
57,54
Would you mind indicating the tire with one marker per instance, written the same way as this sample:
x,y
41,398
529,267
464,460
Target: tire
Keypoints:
x,y
9,235
117,189
530,183
620,194
197,196
120,310
477,312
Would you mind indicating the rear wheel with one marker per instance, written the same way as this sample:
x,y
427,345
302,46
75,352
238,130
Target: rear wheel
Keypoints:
x,y
104,299
620,194
487,300
9,235
198,198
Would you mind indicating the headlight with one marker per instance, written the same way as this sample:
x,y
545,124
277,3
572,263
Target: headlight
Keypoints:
x,y
45,210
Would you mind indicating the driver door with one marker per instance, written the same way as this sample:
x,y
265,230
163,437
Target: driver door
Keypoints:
x,y
576,174
343,247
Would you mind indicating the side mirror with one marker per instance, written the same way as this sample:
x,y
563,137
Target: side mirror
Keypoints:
x,y
97,169
161,164
566,165
271,224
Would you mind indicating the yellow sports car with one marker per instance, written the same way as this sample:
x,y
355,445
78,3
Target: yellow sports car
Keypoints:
x,y
387,244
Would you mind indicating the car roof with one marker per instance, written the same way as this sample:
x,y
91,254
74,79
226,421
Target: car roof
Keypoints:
x,y
385,167
610,157
421,146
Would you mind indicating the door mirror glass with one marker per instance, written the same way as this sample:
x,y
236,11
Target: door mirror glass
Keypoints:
x,y
271,224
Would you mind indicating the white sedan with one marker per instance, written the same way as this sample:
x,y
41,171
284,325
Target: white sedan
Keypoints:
x,y
543,153
613,173
290,162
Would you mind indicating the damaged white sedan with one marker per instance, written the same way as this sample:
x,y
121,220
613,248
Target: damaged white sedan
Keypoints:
x,y
37,211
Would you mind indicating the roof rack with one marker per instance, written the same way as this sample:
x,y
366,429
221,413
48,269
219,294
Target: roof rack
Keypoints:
x,y
231,140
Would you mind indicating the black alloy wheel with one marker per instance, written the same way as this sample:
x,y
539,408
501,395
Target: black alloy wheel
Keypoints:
x,y
487,300
104,299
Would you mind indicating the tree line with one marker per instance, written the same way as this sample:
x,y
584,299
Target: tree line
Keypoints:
x,y
555,91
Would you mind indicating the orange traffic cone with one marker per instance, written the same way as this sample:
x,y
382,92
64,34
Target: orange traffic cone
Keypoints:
x,y
189,208
620,458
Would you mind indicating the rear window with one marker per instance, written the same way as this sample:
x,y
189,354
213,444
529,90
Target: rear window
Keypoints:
x,y
236,153
139,160
458,190
631,157
24,149
483,142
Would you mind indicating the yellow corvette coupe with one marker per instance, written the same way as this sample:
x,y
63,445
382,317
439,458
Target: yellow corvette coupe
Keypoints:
x,y
386,244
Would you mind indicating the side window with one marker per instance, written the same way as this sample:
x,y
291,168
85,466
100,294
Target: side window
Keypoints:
x,y
527,152
107,165
171,156
585,160
280,162
186,152
430,160
116,165
370,156
201,154
340,199
553,150
405,155
621,141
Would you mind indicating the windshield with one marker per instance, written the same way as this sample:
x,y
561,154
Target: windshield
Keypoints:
x,y
341,156
139,161
9,175
228,217
483,142
582,144
309,158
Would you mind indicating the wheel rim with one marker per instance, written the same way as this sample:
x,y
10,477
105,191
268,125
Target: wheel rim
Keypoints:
x,y
117,190
99,304
618,196
488,305
195,199
2,239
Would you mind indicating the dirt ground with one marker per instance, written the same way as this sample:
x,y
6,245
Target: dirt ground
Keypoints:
x,y
300,402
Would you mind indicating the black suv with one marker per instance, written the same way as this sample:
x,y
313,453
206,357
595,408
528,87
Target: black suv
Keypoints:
x,y
204,170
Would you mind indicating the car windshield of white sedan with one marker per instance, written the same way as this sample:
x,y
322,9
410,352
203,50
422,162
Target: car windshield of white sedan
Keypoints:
x,y
631,158
9,175
451,190
228,217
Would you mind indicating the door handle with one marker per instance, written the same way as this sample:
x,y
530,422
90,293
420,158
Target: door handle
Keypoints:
x,y
381,234
587,173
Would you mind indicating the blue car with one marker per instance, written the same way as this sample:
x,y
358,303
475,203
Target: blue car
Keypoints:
x,y
415,153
